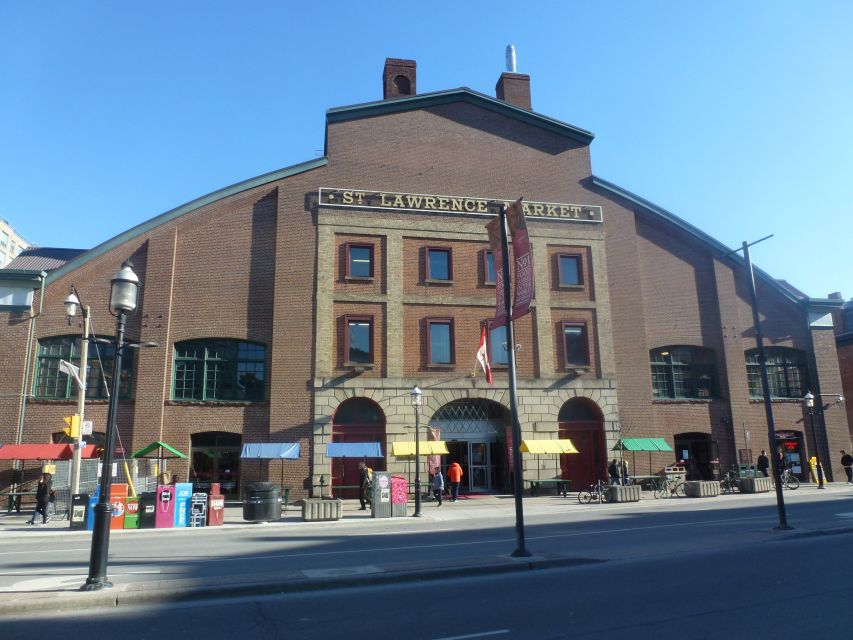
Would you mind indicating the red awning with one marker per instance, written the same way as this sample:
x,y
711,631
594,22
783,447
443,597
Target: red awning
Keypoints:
x,y
43,452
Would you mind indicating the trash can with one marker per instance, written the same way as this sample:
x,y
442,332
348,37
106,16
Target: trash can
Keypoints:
x,y
262,502
147,506
79,510
380,499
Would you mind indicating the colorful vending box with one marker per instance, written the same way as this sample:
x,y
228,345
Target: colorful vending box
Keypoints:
x,y
118,503
183,496
164,517
131,514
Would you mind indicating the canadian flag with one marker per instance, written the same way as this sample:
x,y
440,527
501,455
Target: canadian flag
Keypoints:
x,y
483,357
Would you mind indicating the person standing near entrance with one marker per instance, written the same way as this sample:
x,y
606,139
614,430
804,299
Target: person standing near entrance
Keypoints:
x,y
437,486
847,463
454,474
613,471
764,463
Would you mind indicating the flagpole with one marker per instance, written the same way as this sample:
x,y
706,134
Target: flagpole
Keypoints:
x,y
518,485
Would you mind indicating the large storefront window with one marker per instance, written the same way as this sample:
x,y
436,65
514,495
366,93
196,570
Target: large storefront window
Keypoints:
x,y
786,372
52,383
219,371
683,372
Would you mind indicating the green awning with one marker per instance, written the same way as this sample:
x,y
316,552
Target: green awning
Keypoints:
x,y
173,453
642,444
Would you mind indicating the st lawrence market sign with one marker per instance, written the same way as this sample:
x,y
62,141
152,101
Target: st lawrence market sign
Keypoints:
x,y
385,200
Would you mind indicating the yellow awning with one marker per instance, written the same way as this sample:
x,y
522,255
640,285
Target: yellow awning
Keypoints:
x,y
428,448
548,446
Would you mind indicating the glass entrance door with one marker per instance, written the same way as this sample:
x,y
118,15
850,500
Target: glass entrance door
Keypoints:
x,y
475,457
480,467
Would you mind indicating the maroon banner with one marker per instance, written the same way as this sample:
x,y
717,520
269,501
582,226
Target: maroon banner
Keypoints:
x,y
494,229
434,461
523,260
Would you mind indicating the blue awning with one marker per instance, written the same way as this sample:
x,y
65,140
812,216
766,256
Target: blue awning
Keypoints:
x,y
271,451
353,450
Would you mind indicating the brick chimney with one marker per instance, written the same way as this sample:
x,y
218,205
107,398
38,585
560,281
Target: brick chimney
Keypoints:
x,y
399,78
514,88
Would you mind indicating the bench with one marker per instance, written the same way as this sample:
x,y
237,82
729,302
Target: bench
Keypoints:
x,y
560,484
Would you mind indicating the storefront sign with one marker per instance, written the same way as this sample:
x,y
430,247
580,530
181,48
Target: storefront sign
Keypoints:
x,y
356,199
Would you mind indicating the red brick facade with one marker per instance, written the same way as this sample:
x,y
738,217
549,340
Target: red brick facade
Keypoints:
x,y
281,280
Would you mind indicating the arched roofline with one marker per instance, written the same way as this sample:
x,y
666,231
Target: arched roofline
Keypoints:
x,y
184,209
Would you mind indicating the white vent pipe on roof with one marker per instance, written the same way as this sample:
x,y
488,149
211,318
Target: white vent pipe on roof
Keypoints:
x,y
510,58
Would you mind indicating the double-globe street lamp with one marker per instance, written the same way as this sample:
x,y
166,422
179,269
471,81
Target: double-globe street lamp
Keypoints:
x,y
71,304
809,401
417,399
123,297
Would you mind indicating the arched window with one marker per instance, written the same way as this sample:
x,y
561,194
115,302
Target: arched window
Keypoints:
x,y
786,372
683,372
219,370
52,383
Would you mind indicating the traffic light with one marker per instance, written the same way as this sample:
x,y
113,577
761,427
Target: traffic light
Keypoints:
x,y
73,428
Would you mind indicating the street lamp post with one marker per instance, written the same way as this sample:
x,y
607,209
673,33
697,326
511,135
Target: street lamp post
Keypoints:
x,y
123,296
417,396
809,401
71,304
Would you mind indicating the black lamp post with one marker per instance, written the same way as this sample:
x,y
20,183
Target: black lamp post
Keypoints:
x,y
417,396
123,296
809,401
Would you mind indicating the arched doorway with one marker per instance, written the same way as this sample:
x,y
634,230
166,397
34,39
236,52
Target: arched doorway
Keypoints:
x,y
475,432
581,421
356,420
698,452
215,457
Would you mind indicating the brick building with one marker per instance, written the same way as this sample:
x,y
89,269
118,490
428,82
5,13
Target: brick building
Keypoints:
x,y
354,277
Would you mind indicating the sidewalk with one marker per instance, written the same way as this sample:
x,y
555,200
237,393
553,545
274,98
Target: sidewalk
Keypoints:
x,y
65,596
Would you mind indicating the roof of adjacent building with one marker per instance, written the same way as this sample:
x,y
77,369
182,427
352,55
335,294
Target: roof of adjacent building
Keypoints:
x,y
43,258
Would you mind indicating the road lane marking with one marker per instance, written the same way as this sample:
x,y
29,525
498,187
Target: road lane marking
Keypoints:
x,y
10,553
496,632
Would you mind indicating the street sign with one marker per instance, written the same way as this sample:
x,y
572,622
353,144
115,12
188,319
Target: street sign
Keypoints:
x,y
87,427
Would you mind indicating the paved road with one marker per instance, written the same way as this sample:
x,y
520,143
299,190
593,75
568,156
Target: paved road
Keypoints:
x,y
792,587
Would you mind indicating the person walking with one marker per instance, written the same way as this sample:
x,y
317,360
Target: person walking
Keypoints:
x,y
613,471
42,499
764,463
847,463
624,466
363,485
437,486
454,474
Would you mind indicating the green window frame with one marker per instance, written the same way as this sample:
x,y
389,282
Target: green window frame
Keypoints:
x,y
219,370
52,384
786,372
683,372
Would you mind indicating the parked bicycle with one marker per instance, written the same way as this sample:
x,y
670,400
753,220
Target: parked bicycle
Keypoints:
x,y
789,480
599,492
669,487
730,481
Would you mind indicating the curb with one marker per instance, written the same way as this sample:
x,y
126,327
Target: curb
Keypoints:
x,y
188,590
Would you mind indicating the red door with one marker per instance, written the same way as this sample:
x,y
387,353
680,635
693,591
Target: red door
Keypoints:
x,y
590,464
345,472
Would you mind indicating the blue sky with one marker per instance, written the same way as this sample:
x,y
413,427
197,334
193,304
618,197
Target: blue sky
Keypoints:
x,y
735,116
